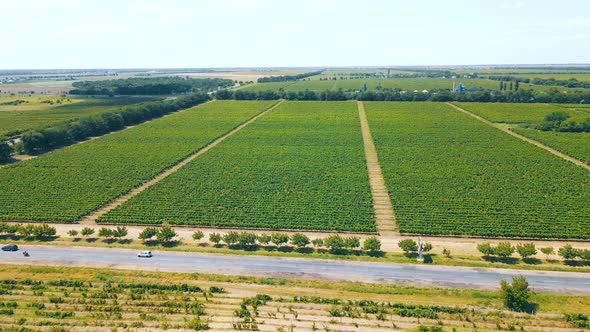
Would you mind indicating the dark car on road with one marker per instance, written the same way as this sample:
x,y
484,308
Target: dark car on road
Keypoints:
x,y
10,247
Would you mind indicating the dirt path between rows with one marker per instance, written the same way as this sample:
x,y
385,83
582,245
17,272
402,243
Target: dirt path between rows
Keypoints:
x,y
384,215
91,218
526,139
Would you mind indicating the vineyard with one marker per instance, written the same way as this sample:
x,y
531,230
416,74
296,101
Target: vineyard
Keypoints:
x,y
35,113
69,183
372,84
72,299
576,145
300,166
511,112
450,174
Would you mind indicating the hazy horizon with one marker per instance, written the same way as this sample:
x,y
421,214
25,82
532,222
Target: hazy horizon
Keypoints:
x,y
134,34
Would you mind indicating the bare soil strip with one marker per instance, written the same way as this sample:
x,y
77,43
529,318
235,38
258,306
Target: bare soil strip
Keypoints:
x,y
91,218
506,129
384,215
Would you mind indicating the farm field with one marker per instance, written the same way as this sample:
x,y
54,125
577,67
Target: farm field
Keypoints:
x,y
514,113
35,113
39,298
583,77
33,102
450,174
408,84
576,145
578,107
372,83
300,166
66,184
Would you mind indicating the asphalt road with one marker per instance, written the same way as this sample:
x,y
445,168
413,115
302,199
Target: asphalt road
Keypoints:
x,y
418,275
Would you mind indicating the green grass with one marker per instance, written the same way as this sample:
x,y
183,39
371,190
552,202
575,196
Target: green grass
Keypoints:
x,y
66,184
301,166
448,173
14,119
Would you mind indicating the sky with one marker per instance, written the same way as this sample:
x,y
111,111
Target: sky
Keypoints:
x,y
50,34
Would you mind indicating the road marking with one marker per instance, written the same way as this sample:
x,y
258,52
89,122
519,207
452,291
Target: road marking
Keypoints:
x,y
91,218
384,215
506,129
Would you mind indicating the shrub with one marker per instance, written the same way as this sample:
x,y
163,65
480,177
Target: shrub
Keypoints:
x,y
44,230
526,250
105,232
279,238
372,244
120,232
198,235
196,324
215,238
246,239
26,230
334,242
446,252
231,238
87,231
408,245
317,242
548,251
578,320
73,233
515,296
264,239
215,289
8,229
352,242
485,248
299,240
567,252
148,233
504,249
165,234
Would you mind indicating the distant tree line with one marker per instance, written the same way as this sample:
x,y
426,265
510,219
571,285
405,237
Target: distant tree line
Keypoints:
x,y
570,83
149,86
64,133
285,78
508,78
484,96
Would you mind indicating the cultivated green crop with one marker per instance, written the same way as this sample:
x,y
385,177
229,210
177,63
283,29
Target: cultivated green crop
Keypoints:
x,y
23,117
69,183
511,112
448,173
301,166
576,145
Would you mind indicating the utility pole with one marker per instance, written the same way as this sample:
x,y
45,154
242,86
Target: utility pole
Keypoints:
x,y
420,244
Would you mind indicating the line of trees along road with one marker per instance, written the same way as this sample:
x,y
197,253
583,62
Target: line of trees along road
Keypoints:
x,y
285,78
149,86
483,96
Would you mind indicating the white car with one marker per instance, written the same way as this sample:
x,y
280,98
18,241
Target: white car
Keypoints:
x,y
145,253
